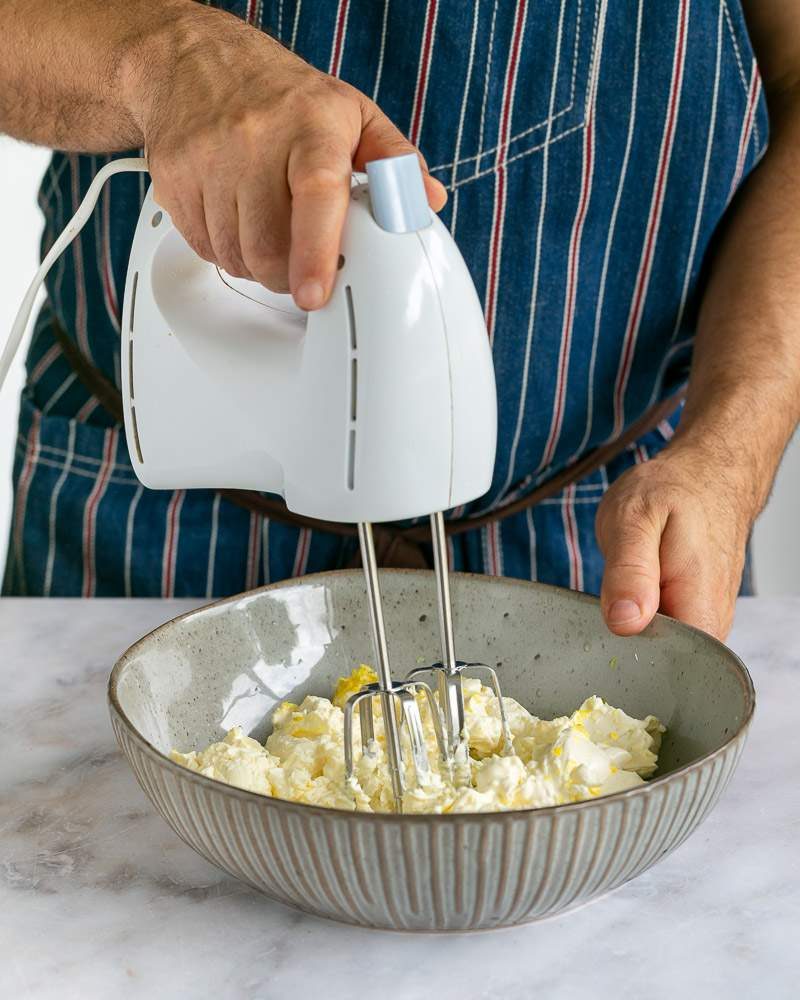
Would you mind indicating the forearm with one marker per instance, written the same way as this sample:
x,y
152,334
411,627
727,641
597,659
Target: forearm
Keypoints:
x,y
744,390
69,70
674,530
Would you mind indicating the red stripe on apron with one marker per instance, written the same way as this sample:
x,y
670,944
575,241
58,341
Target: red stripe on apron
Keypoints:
x,y
571,535
77,250
747,128
23,485
573,265
87,409
609,243
421,91
90,512
253,552
301,556
495,246
643,277
44,363
339,36
666,429
109,289
569,311
170,551
494,561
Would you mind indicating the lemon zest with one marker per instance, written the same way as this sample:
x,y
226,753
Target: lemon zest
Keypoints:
x,y
352,684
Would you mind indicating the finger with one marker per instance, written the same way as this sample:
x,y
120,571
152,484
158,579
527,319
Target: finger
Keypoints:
x,y
691,591
189,219
222,223
184,202
319,181
630,539
381,138
436,192
264,230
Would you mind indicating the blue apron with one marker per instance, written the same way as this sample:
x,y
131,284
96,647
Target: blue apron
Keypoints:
x,y
590,150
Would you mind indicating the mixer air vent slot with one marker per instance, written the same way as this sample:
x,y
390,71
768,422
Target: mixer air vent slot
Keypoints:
x,y
353,388
130,334
133,301
130,367
351,317
136,443
351,434
351,459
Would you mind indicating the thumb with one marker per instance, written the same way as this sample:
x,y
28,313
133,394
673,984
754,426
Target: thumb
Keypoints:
x,y
630,540
381,138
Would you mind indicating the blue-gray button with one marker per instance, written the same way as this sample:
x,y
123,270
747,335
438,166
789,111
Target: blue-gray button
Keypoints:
x,y
397,194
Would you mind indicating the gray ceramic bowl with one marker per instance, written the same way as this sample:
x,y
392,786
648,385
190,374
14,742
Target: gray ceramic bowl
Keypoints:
x,y
229,664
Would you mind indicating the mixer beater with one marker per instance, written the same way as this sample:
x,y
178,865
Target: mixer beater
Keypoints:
x,y
399,704
393,696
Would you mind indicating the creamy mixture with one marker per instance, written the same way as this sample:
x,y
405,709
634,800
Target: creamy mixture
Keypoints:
x,y
596,750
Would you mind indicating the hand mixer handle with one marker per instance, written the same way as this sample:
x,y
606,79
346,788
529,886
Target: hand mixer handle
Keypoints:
x,y
397,194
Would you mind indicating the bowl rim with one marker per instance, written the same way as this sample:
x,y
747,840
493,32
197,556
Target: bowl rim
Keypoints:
x,y
268,801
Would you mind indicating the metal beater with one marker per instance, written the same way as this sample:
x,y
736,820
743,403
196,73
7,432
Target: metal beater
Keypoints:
x,y
398,699
450,671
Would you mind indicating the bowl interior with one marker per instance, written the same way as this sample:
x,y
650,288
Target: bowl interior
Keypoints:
x,y
230,664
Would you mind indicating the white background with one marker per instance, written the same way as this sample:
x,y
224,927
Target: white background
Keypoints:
x,y
777,535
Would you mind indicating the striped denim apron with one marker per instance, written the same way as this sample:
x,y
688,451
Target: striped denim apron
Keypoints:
x,y
589,149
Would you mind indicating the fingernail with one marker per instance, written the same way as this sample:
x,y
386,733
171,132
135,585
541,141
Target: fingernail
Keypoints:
x,y
623,612
309,295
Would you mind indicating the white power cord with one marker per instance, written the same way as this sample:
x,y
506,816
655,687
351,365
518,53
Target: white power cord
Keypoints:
x,y
133,164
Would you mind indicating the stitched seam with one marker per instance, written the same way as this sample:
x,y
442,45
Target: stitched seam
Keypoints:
x,y
123,480
52,463
739,63
53,176
486,79
519,156
467,84
593,56
532,481
732,33
574,501
76,456
531,128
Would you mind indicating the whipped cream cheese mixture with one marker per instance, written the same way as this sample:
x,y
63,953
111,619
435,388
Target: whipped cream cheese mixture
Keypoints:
x,y
595,751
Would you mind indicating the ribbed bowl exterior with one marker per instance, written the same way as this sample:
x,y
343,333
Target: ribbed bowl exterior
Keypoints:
x,y
442,873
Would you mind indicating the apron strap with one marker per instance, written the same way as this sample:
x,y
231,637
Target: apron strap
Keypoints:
x,y
395,546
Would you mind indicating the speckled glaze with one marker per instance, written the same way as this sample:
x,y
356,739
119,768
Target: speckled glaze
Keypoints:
x,y
190,680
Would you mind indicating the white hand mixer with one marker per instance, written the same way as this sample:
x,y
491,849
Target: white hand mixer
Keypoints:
x,y
380,406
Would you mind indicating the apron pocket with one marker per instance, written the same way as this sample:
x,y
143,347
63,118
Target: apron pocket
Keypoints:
x,y
68,478
526,71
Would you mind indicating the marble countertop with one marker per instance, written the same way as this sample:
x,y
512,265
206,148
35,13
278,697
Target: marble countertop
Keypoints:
x,y
98,898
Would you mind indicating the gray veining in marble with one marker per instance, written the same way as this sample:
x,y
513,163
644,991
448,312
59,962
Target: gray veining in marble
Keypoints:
x,y
98,898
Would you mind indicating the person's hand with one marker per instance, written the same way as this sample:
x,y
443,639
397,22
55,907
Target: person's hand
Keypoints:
x,y
251,149
673,532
